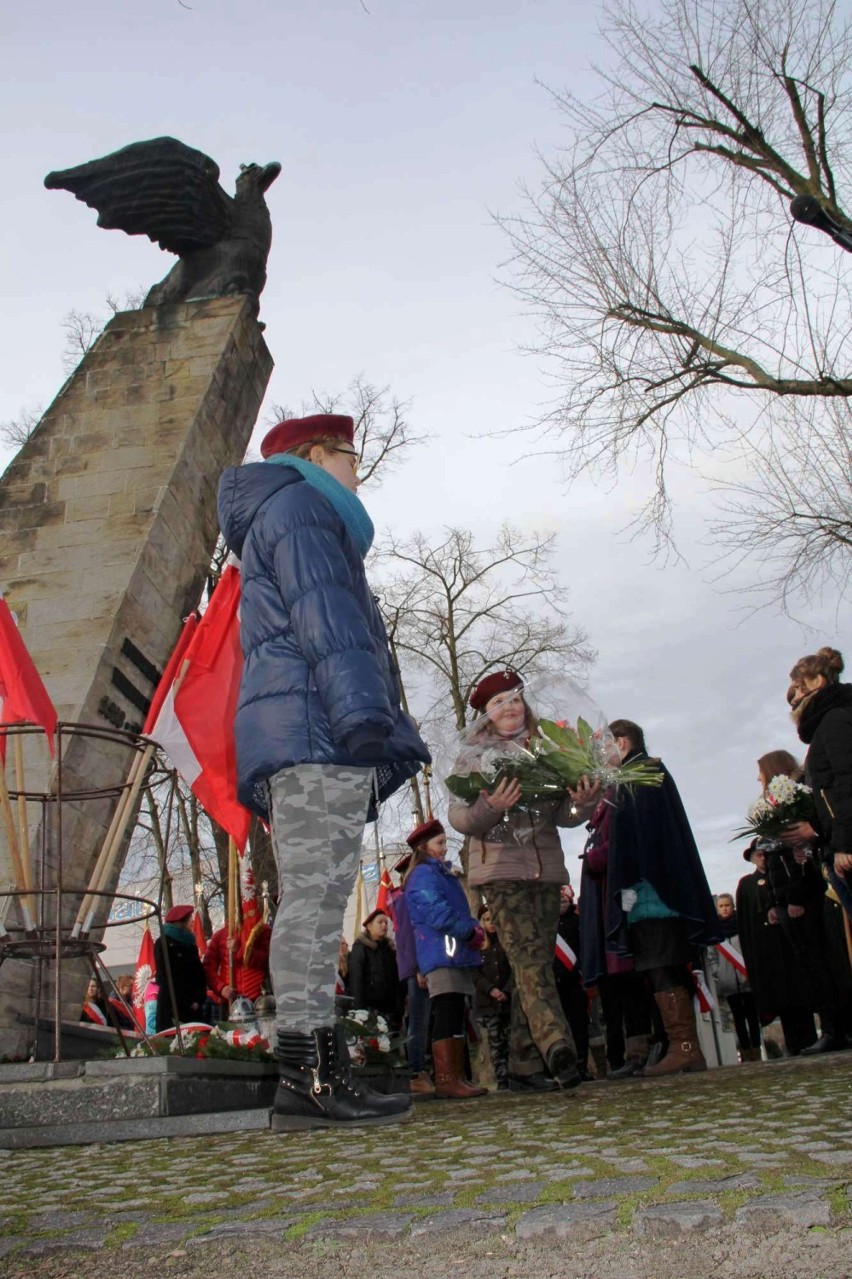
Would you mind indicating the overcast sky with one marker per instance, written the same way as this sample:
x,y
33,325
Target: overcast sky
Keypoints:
x,y
400,131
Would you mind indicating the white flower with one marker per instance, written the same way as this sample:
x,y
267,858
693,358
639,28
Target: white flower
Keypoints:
x,y
361,1015
381,1024
384,1044
758,810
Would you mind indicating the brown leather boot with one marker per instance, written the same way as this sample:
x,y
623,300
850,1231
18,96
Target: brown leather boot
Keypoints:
x,y
450,1083
421,1086
684,1055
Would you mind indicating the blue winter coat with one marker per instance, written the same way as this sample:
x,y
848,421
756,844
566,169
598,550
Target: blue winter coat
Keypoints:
x,y
441,918
318,682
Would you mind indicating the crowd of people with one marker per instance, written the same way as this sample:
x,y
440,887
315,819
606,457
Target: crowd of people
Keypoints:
x,y
322,739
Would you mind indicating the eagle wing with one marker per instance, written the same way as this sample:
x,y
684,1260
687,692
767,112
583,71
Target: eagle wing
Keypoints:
x,y
160,188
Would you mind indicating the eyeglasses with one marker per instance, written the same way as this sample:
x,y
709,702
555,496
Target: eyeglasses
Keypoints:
x,y
356,461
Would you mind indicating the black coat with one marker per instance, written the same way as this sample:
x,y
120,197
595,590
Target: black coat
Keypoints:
x,y
373,976
650,839
567,979
774,976
826,726
495,972
190,983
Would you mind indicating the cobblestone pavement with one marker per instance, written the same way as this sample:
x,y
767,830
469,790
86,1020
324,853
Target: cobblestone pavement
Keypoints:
x,y
764,1147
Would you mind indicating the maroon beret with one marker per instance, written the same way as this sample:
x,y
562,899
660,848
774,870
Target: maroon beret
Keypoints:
x,y
294,431
403,864
498,682
177,913
424,832
372,916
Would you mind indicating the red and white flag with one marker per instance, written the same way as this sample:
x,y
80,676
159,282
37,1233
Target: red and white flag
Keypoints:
x,y
733,956
24,697
145,970
565,954
194,721
706,1002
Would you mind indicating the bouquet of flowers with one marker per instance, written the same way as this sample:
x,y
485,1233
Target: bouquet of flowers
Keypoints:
x,y
554,757
784,803
370,1039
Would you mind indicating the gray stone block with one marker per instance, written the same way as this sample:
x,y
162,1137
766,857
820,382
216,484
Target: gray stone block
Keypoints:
x,y
516,1192
389,1225
85,1134
577,1221
613,1186
805,1210
469,1218
675,1218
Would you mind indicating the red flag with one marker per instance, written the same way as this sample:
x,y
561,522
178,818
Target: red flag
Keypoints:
x,y
145,970
198,933
383,895
22,693
195,721
170,673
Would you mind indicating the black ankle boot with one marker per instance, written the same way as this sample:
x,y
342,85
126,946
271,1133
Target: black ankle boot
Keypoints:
x,y
317,1090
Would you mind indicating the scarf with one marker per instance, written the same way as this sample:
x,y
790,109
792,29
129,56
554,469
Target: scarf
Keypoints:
x,y
728,927
809,714
346,504
175,933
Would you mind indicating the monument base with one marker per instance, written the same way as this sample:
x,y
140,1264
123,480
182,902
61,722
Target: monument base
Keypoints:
x,y
80,1102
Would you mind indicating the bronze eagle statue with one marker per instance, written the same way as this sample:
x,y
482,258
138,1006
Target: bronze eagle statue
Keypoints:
x,y
170,192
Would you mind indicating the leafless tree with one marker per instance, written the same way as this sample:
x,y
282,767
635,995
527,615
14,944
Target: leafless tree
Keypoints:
x,y
677,298
18,430
383,433
83,328
456,611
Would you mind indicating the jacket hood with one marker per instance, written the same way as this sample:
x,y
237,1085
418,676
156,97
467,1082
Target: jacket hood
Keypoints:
x,y
242,492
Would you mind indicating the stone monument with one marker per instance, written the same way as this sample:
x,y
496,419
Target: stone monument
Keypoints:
x,y
108,513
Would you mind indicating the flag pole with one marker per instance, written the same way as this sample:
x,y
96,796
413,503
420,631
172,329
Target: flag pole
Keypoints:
x,y
23,827
14,849
232,906
112,841
427,786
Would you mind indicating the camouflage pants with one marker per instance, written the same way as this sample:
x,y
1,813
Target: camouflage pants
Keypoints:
x,y
317,813
525,915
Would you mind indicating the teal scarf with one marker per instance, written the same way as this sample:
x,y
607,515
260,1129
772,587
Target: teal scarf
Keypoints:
x,y
347,504
179,935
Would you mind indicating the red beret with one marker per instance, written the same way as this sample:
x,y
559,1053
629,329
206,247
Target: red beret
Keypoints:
x,y
498,682
423,833
294,431
372,916
403,864
177,913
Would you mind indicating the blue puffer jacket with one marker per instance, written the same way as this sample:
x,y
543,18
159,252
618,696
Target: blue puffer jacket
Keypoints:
x,y
441,918
318,683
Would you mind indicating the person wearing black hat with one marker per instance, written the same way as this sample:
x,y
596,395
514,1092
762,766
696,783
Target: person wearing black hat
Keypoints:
x,y
177,947
373,977
319,733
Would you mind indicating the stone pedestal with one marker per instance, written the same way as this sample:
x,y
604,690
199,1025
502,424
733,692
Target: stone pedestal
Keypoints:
x,y
107,527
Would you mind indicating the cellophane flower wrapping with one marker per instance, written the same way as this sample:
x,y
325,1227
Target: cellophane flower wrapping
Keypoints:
x,y
784,803
545,755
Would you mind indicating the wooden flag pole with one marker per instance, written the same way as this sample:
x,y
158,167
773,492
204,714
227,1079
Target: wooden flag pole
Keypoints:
x,y
232,906
14,849
112,840
23,827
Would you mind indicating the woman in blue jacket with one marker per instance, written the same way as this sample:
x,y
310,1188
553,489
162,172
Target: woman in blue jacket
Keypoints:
x,y
319,732
448,940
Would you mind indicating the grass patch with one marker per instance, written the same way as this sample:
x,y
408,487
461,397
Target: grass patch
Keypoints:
x,y
122,1234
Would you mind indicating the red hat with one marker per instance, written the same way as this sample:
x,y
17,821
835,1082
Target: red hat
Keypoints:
x,y
177,913
403,864
372,916
424,832
294,431
498,682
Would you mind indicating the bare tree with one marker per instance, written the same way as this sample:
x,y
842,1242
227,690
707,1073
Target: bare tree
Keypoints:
x,y
455,611
18,430
676,296
83,328
383,432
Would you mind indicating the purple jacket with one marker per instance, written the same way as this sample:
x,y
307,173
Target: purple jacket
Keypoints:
x,y
406,956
